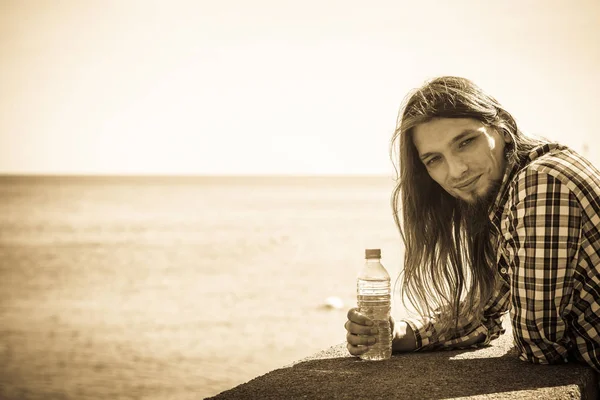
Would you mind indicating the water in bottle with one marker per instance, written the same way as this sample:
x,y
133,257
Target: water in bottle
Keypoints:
x,y
374,300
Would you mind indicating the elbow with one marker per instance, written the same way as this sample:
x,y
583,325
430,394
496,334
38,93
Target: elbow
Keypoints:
x,y
542,351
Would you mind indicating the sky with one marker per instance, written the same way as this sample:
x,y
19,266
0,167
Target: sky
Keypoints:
x,y
240,87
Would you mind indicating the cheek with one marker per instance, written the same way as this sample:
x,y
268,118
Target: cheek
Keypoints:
x,y
499,156
497,165
438,176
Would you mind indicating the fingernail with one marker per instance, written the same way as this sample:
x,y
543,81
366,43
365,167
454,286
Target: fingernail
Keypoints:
x,y
372,341
374,331
369,322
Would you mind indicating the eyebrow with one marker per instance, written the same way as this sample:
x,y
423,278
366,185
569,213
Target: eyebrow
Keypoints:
x,y
455,139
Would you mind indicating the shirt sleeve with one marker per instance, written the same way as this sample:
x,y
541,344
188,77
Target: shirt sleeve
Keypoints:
x,y
490,325
541,235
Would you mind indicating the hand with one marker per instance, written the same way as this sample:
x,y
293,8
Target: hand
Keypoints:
x,y
361,332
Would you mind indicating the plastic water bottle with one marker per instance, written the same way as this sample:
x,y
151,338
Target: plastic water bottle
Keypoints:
x,y
374,301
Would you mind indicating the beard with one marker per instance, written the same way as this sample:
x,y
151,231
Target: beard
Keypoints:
x,y
475,213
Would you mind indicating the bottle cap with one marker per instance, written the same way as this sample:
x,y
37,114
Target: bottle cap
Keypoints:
x,y
372,253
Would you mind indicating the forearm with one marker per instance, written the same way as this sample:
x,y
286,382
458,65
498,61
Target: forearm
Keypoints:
x,y
425,338
479,338
404,338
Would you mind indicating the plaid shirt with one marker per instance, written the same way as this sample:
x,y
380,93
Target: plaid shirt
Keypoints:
x,y
547,214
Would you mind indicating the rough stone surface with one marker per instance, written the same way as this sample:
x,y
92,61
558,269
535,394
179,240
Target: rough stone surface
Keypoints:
x,y
493,372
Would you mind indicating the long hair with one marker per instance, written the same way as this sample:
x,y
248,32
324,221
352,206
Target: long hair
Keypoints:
x,y
448,264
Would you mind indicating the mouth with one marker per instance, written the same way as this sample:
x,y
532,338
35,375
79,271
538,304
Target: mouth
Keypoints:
x,y
467,184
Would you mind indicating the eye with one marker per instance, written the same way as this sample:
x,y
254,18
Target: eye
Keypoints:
x,y
432,161
466,142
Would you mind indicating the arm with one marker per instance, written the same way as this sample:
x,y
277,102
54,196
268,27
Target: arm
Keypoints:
x,y
542,234
403,338
421,334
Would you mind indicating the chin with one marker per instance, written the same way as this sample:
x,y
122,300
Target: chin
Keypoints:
x,y
470,200
474,197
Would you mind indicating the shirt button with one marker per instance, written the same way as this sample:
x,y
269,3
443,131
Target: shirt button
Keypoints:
x,y
503,270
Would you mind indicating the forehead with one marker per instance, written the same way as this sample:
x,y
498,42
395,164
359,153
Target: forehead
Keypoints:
x,y
438,133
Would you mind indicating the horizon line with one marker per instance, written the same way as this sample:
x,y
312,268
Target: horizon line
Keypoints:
x,y
194,175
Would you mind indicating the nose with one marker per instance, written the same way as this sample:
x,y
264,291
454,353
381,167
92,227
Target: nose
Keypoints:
x,y
456,167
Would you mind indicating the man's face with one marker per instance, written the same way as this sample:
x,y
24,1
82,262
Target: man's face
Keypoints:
x,y
463,155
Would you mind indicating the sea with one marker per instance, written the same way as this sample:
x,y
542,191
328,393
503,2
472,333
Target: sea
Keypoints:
x,y
162,287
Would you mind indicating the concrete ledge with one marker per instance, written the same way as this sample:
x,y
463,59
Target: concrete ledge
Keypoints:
x,y
494,372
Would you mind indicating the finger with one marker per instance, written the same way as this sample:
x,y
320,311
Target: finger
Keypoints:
x,y
355,316
356,350
357,340
360,329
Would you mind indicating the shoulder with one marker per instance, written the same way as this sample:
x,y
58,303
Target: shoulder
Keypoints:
x,y
554,167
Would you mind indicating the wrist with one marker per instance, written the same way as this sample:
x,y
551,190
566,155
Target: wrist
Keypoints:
x,y
403,339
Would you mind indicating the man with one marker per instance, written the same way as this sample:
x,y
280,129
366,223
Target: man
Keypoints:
x,y
492,220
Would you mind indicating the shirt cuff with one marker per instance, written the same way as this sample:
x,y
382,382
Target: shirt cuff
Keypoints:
x,y
423,330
